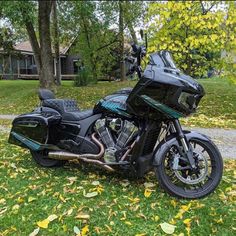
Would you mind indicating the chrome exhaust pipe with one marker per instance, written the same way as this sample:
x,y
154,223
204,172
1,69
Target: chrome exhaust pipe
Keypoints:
x,y
62,155
90,158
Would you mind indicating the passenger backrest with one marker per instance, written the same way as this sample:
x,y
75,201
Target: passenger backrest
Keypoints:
x,y
45,94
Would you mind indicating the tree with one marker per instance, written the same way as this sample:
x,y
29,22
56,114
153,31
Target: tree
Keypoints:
x,y
96,27
56,41
134,12
88,23
6,39
192,30
229,62
23,14
121,40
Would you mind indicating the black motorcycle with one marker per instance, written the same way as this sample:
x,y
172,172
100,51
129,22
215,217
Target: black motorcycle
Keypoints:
x,y
133,130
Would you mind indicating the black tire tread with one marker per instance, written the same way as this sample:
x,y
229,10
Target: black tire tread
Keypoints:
x,y
166,188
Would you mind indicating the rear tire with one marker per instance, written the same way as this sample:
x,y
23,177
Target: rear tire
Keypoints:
x,y
41,158
178,183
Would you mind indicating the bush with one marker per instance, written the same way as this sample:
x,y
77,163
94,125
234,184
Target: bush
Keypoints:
x,y
82,78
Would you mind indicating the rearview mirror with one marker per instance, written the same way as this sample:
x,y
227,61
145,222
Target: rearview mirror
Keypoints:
x,y
141,33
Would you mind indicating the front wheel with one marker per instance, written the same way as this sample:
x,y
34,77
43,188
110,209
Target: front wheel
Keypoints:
x,y
177,177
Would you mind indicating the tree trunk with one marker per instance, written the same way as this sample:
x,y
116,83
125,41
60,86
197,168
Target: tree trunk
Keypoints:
x,y
35,45
46,72
56,42
121,32
91,57
132,32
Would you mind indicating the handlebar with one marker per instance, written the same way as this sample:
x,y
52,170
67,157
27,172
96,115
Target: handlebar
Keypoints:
x,y
138,52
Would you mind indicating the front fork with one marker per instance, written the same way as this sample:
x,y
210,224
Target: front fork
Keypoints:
x,y
187,150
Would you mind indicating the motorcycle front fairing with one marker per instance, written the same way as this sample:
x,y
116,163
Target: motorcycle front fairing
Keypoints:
x,y
164,92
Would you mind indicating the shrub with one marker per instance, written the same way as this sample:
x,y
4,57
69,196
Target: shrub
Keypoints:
x,y
82,78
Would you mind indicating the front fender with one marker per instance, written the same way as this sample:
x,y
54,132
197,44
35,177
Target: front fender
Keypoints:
x,y
171,140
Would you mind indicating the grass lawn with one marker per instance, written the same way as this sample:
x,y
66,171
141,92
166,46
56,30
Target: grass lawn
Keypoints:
x,y
217,108
30,194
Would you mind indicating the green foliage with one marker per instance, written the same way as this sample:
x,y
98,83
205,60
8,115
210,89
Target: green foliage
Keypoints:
x,y
94,28
229,59
195,36
6,39
82,78
15,13
92,38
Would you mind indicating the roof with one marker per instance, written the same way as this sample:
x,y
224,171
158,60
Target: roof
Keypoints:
x,y
26,47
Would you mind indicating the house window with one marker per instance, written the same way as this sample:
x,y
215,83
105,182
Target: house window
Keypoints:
x,y
31,67
1,64
63,66
14,65
6,64
75,66
23,66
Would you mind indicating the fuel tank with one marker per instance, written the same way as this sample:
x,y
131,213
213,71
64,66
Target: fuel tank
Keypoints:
x,y
114,103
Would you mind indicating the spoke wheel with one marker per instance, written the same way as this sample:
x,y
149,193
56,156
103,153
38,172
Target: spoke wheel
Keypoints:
x,y
179,179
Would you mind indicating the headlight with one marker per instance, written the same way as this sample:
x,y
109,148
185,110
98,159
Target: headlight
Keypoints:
x,y
187,100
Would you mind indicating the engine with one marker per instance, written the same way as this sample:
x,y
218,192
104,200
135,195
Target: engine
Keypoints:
x,y
115,134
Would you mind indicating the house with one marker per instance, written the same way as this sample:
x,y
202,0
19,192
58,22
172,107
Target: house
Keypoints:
x,y
20,63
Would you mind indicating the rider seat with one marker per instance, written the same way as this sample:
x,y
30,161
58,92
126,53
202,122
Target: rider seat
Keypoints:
x,y
66,107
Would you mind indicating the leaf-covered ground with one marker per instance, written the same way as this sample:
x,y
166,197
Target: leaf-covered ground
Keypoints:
x,y
85,200
217,108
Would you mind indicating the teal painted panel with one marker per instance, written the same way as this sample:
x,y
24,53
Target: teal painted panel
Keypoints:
x,y
162,107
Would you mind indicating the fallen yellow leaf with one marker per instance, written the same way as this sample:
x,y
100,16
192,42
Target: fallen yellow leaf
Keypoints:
x,y
128,223
186,207
168,228
62,198
52,217
31,199
85,230
83,216
173,203
147,192
91,194
134,200
43,224
187,221
219,220
35,232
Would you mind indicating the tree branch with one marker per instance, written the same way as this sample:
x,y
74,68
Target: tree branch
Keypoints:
x,y
204,10
108,44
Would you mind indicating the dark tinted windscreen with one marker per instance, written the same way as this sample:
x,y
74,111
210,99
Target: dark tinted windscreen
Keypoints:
x,y
162,59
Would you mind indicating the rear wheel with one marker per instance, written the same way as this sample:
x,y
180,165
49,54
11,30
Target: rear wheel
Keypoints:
x,y
41,158
177,177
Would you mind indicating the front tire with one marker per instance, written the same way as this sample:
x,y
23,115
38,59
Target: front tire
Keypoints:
x,y
187,183
41,158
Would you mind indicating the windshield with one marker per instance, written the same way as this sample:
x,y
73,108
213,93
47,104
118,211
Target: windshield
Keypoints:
x,y
162,59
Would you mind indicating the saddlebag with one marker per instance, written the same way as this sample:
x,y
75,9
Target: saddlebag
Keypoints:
x,y
31,130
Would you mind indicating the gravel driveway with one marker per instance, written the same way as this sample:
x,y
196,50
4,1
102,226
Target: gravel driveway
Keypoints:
x,y
224,139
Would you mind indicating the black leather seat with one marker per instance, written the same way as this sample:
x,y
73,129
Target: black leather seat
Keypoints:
x,y
67,108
